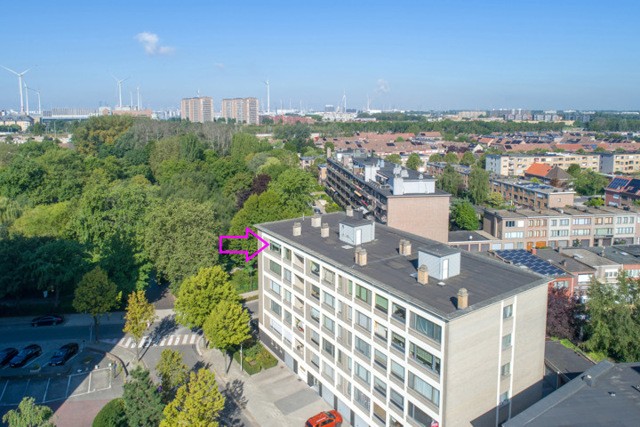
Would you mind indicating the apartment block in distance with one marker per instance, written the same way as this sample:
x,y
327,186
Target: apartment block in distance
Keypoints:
x,y
242,110
532,194
197,110
395,196
393,329
517,165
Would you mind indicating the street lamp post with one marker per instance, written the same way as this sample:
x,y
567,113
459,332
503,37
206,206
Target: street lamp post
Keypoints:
x,y
241,365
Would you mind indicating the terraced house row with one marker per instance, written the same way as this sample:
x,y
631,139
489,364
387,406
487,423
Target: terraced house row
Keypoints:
x,y
393,329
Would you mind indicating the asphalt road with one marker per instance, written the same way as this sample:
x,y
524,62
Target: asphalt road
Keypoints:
x,y
18,334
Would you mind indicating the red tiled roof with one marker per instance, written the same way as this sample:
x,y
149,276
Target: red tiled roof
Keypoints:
x,y
538,169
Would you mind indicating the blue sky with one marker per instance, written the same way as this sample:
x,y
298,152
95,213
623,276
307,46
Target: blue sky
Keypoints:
x,y
402,54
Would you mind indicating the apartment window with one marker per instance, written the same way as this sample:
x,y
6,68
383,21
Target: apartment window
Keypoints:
x,y
426,327
564,222
554,222
362,373
275,287
382,304
510,224
328,371
504,398
315,360
328,276
329,324
624,230
580,232
363,321
396,398
287,275
379,413
328,348
424,358
611,274
315,292
397,341
287,317
361,398
380,386
397,370
275,248
507,311
380,331
287,254
275,307
380,358
329,300
505,370
363,294
514,235
315,314
559,233
314,268
399,313
344,360
425,389
315,337
506,341
560,284
582,221
362,347
419,415
287,296
350,287
275,267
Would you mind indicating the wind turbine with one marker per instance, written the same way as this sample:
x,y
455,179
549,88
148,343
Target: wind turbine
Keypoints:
x,y
26,92
119,81
37,93
20,84
266,82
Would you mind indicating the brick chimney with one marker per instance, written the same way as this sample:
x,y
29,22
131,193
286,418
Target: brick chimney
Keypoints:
x,y
423,275
315,221
463,299
324,230
297,228
361,257
404,248
349,211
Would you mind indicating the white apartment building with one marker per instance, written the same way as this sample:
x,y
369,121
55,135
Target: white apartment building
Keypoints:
x,y
517,164
197,110
242,110
393,329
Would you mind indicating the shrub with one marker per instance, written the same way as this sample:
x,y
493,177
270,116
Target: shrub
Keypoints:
x,y
112,415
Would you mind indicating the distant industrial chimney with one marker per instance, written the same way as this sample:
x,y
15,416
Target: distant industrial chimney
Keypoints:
x,y
324,230
423,275
349,211
404,247
463,299
361,257
297,228
315,221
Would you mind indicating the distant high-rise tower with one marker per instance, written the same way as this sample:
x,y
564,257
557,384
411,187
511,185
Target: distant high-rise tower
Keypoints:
x,y
243,110
199,109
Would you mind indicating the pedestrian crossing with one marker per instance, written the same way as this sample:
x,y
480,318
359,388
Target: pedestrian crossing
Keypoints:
x,y
151,341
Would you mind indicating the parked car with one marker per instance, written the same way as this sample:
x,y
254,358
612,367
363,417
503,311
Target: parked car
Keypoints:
x,y
26,354
63,354
6,355
325,419
50,319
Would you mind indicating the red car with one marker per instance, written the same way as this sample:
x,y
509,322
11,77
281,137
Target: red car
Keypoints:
x,y
325,419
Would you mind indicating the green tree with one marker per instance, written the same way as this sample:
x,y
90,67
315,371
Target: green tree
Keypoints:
x,y
139,316
23,176
112,415
450,181
464,216
142,402
414,161
96,295
614,318
589,183
29,414
451,158
227,326
595,201
172,372
478,184
294,187
436,158
44,220
495,200
394,158
468,159
197,403
574,170
199,295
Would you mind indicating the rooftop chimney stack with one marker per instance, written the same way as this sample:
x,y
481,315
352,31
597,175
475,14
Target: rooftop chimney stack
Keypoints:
x,y
463,299
349,211
405,247
423,275
297,229
315,221
324,230
361,257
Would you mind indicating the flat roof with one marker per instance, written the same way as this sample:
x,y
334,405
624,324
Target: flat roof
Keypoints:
x,y
460,236
486,280
606,394
564,360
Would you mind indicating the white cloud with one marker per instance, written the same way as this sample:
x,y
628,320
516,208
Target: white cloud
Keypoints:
x,y
382,86
151,44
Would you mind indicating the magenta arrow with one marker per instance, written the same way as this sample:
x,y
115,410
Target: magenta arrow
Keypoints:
x,y
247,234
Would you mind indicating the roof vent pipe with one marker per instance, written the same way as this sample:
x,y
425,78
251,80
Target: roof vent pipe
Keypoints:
x,y
315,221
463,299
349,211
361,257
324,230
297,228
423,275
404,247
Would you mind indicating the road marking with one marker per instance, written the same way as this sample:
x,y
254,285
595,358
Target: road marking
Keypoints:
x,y
142,342
121,342
46,390
163,341
170,341
128,342
193,339
6,383
68,385
185,339
89,388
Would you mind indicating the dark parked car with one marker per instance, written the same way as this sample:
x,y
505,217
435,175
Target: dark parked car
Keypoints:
x,y
6,355
63,354
26,354
51,319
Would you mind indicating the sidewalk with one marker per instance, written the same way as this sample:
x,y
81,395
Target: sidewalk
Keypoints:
x,y
272,398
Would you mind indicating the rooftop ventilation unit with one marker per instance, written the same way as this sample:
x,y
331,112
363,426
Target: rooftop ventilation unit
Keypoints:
x,y
357,231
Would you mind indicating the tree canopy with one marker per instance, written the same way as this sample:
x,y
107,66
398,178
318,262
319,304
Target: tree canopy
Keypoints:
x,y
142,402
28,414
197,403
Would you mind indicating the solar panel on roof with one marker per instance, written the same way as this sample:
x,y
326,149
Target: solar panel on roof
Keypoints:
x,y
522,257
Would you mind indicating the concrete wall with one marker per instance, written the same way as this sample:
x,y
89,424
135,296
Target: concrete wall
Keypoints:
x,y
425,216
